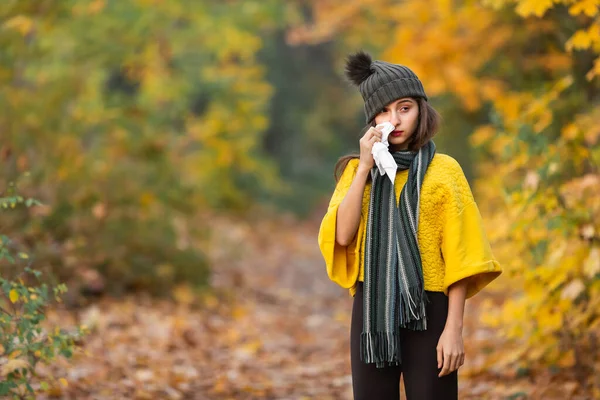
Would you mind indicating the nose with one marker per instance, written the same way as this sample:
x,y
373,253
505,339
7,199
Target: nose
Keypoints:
x,y
395,119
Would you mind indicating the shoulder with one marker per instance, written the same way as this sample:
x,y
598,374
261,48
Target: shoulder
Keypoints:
x,y
350,169
446,165
445,170
447,174
347,175
353,163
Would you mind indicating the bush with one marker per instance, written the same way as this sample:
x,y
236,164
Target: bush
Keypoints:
x,y
24,343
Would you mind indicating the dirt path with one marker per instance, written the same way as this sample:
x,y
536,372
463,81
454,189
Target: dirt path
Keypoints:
x,y
276,328
306,320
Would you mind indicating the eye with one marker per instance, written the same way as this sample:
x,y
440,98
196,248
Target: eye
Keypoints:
x,y
383,110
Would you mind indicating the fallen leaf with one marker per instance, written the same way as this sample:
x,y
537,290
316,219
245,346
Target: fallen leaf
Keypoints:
x,y
13,366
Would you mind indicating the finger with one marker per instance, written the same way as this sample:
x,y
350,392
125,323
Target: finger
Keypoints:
x,y
450,363
454,362
446,367
368,140
376,131
440,358
462,360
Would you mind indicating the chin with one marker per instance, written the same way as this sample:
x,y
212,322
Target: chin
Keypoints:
x,y
396,141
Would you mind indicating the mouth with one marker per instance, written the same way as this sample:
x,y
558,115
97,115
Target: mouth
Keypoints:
x,y
397,133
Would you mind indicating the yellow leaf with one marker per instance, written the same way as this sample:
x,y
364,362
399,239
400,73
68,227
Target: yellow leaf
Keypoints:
x,y
210,301
549,319
482,135
14,354
221,384
567,360
538,8
595,71
183,294
588,7
495,4
19,23
570,131
14,365
239,312
582,39
147,199
13,295
96,6
64,382
252,347
55,391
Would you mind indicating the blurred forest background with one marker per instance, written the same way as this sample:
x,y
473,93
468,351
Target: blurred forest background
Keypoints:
x,y
185,150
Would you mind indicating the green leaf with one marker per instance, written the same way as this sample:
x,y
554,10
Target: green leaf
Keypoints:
x,y
67,352
5,387
9,257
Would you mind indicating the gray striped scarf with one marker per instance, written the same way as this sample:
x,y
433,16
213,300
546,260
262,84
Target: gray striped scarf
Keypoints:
x,y
394,293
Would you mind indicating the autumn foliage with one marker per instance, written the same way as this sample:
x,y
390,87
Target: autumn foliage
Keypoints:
x,y
139,121
126,124
527,70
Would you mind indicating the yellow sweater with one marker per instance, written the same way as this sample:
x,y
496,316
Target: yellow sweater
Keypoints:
x,y
452,240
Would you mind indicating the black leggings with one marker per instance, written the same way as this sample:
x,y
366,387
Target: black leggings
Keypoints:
x,y
419,359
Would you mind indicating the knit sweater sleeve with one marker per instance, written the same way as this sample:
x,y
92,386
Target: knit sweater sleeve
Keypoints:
x,y
465,247
342,262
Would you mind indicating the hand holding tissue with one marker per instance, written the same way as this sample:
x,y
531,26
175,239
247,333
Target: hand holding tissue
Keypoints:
x,y
381,155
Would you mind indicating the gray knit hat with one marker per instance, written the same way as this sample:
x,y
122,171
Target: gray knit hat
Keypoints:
x,y
381,82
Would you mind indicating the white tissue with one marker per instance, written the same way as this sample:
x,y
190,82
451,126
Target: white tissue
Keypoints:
x,y
383,159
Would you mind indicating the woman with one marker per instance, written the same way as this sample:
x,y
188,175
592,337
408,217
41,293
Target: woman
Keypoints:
x,y
411,250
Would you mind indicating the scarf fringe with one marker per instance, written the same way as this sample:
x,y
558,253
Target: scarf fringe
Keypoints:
x,y
380,347
411,313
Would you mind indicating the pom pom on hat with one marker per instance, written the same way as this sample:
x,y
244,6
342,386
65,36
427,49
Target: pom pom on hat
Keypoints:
x,y
358,67
381,82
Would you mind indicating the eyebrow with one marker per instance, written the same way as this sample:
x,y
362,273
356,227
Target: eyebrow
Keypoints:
x,y
409,101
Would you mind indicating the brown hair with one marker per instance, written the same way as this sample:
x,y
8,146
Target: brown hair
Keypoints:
x,y
429,123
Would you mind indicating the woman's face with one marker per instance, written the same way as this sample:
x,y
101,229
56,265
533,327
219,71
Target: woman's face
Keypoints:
x,y
403,114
